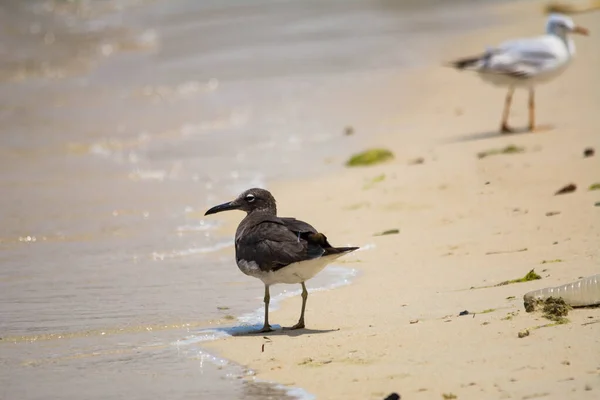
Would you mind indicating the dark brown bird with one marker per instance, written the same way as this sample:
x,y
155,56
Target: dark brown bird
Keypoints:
x,y
277,250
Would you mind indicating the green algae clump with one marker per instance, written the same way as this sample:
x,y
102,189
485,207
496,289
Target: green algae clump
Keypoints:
x,y
553,308
510,149
530,276
370,157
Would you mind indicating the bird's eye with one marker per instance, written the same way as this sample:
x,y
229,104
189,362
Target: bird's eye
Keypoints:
x,y
250,198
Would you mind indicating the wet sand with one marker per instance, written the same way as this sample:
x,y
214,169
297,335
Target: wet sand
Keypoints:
x,y
464,223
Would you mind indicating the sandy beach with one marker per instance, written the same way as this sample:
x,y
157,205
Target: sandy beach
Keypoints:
x,y
464,222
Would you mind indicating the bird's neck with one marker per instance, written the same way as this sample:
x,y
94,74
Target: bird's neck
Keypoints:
x,y
568,42
570,45
269,211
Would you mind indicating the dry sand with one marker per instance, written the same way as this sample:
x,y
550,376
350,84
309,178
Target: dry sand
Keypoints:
x,y
397,327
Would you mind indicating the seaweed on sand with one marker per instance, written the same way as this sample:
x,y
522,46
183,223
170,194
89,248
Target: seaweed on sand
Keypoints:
x,y
510,149
530,276
553,308
370,157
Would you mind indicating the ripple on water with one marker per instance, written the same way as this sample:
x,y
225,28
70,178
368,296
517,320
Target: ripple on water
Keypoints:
x,y
159,256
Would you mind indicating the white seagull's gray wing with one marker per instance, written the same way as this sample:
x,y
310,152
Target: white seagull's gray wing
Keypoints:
x,y
522,58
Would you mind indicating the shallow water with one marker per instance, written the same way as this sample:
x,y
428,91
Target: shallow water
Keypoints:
x,y
120,123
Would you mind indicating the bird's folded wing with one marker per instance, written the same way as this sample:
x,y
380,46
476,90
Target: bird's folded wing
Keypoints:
x,y
521,58
273,246
296,225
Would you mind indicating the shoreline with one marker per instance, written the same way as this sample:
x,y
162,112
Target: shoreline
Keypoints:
x,y
451,220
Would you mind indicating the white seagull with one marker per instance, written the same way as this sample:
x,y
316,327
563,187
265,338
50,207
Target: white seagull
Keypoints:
x,y
525,63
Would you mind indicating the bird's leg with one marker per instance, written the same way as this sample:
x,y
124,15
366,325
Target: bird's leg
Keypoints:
x,y
300,323
531,109
266,327
504,128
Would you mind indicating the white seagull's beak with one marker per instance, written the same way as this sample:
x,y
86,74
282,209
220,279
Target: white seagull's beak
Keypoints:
x,y
580,30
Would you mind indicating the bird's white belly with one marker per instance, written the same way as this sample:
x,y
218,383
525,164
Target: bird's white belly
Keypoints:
x,y
498,79
294,273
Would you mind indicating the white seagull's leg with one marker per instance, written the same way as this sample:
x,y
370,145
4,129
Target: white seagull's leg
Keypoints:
x,y
504,128
531,109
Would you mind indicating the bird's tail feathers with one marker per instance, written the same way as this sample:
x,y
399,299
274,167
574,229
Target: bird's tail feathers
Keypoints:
x,y
324,247
467,62
339,250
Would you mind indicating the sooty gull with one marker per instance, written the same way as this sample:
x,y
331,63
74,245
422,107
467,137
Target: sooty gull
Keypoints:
x,y
527,62
277,250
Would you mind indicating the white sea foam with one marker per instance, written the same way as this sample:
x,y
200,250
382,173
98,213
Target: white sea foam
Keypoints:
x,y
139,174
159,256
365,247
200,227
235,371
296,392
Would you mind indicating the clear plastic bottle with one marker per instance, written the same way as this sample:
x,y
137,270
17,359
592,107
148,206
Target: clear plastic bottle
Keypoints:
x,y
581,293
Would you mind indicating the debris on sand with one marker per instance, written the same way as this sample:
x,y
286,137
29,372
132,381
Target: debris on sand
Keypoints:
x,y
594,186
523,333
370,157
589,152
388,232
581,293
510,149
371,182
530,276
510,316
557,260
553,308
570,188
416,161
314,363
348,131
489,253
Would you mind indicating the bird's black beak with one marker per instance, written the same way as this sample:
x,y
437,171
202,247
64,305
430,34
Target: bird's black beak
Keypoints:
x,y
223,207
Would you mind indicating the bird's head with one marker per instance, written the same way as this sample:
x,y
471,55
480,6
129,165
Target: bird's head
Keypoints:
x,y
562,25
250,200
